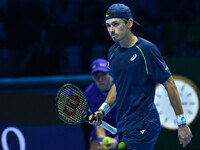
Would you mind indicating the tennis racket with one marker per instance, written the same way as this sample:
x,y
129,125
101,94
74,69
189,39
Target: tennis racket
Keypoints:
x,y
72,107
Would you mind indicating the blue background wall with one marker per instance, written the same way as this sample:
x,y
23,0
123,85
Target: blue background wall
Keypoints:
x,y
62,37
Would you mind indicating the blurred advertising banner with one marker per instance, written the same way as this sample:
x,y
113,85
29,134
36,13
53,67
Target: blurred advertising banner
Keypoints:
x,y
28,137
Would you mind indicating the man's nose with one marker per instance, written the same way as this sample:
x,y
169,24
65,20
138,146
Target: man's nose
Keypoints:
x,y
100,78
111,29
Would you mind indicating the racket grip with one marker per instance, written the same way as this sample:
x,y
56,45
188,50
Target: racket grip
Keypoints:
x,y
109,128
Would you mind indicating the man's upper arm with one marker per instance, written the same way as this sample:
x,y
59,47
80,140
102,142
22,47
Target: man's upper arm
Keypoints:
x,y
169,83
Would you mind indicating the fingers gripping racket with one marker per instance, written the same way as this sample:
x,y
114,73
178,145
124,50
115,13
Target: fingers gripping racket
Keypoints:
x,y
72,107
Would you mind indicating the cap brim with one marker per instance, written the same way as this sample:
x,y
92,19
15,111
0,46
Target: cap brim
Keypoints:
x,y
136,23
99,69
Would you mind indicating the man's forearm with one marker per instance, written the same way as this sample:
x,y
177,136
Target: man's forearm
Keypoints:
x,y
111,97
173,96
110,101
100,132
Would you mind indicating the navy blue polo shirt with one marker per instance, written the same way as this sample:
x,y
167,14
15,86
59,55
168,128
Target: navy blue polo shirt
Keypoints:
x,y
135,72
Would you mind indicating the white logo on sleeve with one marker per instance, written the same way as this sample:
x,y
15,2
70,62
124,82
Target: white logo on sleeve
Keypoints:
x,y
133,57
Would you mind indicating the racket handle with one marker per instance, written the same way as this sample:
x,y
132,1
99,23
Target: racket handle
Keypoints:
x,y
109,128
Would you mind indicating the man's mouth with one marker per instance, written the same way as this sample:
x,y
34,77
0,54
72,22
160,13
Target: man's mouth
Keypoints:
x,y
113,36
101,84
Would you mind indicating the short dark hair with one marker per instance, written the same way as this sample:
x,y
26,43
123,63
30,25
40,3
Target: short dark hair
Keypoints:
x,y
126,21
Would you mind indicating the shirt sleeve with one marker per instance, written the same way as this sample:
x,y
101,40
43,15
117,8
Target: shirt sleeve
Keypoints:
x,y
158,69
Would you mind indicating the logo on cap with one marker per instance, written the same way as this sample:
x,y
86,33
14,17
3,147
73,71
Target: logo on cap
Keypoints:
x,y
99,65
109,13
102,65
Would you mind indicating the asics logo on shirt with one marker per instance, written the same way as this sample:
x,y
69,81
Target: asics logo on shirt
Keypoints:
x,y
142,131
133,57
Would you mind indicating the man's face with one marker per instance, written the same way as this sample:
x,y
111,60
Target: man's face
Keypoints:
x,y
117,28
103,80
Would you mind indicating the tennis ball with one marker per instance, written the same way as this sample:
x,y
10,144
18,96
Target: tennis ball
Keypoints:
x,y
121,146
106,140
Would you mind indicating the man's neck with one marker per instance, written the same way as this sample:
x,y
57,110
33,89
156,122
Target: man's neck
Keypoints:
x,y
129,41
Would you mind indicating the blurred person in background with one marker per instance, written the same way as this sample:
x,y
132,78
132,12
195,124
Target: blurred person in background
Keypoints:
x,y
96,94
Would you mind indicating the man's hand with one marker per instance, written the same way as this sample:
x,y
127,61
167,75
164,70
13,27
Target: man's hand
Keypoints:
x,y
97,118
184,134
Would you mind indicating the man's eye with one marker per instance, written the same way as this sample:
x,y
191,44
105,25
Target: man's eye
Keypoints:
x,y
115,24
107,25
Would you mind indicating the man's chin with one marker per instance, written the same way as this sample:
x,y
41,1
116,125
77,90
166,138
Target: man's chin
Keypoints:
x,y
102,88
115,40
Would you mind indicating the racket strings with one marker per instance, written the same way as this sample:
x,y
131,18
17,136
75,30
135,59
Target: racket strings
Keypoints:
x,y
72,105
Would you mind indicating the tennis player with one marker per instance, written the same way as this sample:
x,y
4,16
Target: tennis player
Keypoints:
x,y
96,94
136,65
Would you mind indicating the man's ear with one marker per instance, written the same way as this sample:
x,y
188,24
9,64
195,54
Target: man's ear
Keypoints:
x,y
93,77
130,23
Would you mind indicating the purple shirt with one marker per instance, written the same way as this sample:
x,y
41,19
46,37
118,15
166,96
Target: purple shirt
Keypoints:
x,y
95,98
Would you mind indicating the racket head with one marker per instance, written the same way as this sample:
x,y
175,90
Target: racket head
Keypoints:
x,y
71,104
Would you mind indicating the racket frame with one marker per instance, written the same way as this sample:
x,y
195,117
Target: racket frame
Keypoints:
x,y
88,108
83,120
